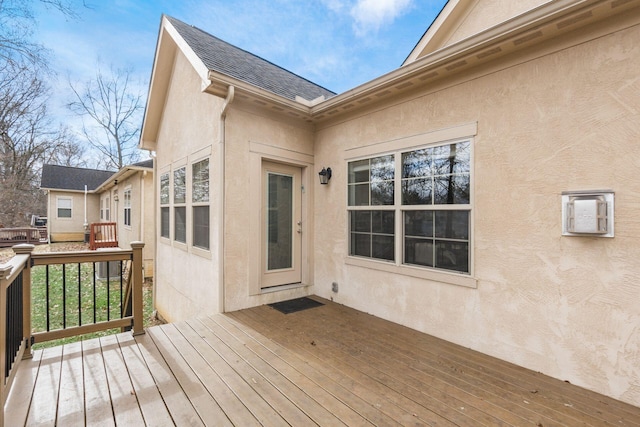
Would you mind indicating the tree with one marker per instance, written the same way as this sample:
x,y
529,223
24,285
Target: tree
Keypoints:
x,y
28,139
16,28
113,109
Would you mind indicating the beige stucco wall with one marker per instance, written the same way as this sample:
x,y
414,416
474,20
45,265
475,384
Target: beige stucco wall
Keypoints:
x,y
186,279
142,215
71,229
547,122
484,14
251,138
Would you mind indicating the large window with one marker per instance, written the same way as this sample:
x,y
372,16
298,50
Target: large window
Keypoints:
x,y
164,205
179,205
64,207
419,218
200,203
127,207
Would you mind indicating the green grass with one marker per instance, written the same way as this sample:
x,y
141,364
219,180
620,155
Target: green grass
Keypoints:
x,y
104,299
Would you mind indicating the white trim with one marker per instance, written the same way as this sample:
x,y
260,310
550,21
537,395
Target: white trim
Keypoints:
x,y
397,146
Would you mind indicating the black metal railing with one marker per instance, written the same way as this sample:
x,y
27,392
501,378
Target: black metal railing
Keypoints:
x,y
14,335
78,294
78,279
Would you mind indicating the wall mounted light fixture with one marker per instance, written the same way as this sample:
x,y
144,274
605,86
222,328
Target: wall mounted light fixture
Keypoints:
x,y
325,175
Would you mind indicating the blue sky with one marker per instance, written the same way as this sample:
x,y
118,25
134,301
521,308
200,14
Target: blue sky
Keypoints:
x,y
338,44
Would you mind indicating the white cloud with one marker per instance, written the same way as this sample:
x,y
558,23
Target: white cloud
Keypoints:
x,y
370,15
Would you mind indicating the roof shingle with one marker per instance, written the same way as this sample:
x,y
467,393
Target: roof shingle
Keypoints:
x,y
222,57
70,178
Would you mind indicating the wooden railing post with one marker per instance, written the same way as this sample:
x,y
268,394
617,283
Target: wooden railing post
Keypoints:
x,y
26,249
136,293
5,271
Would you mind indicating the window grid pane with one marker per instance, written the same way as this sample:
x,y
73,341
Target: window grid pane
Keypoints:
x,y
180,224
180,185
200,185
201,227
164,189
164,222
437,181
372,234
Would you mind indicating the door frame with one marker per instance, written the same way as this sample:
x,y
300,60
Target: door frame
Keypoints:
x,y
293,274
259,154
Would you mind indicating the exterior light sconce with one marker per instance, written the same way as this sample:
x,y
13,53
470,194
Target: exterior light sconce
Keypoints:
x,y
325,175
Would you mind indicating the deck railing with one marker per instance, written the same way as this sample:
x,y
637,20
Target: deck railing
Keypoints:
x,y
103,235
13,236
77,283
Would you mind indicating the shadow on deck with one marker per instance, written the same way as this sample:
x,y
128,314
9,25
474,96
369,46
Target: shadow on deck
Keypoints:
x,y
329,365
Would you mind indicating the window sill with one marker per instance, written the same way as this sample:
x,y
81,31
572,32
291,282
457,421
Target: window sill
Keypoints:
x,y
417,272
204,253
180,245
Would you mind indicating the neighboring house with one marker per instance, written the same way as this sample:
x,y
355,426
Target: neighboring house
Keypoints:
x,y
446,210
69,206
125,197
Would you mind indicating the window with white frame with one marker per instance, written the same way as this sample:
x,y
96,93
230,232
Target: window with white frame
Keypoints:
x,y
200,203
179,205
101,208
64,207
413,207
127,206
106,209
165,223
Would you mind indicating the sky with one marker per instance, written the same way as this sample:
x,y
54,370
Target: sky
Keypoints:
x,y
338,44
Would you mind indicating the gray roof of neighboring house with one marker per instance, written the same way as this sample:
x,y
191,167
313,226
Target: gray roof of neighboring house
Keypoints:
x,y
222,57
144,164
69,178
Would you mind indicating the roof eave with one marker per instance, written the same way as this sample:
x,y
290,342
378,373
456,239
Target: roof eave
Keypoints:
x,y
219,85
480,48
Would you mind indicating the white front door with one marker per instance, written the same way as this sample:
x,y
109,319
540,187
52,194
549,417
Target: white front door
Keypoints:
x,y
282,225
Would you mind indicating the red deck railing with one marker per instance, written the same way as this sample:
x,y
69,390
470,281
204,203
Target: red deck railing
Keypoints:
x,y
103,235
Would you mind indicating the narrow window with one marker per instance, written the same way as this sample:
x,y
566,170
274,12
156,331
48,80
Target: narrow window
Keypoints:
x,y
200,203
179,205
165,224
127,207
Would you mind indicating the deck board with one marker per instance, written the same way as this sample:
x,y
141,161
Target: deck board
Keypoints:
x,y
328,366
71,399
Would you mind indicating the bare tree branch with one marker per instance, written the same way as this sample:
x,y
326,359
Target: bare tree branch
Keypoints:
x,y
28,139
112,110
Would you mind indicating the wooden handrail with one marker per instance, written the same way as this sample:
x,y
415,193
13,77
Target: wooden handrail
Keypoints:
x,y
20,265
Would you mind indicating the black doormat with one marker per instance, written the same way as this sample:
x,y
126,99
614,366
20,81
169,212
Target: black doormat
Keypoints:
x,y
294,305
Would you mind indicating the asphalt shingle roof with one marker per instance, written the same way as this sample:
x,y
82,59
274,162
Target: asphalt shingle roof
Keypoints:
x,y
69,178
222,57
144,164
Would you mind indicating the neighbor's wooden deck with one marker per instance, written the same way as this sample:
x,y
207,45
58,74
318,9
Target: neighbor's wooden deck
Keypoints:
x,y
329,365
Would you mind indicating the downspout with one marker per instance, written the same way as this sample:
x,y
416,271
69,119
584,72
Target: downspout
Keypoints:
x,y
156,211
141,225
221,191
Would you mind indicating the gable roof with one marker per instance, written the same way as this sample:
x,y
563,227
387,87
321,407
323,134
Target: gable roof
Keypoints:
x,y
55,177
222,57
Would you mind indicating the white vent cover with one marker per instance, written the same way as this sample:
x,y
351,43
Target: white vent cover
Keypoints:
x,y
587,213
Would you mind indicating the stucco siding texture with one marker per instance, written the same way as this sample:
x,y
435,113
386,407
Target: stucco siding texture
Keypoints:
x,y
187,281
547,122
75,224
485,14
246,127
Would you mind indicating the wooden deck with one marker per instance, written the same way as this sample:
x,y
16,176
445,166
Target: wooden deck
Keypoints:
x,y
329,365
